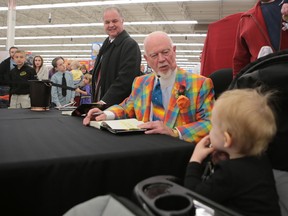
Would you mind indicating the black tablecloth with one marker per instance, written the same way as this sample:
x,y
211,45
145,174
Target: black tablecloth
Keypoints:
x,y
50,162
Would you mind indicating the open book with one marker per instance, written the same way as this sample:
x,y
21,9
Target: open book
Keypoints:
x,y
118,126
81,110
67,107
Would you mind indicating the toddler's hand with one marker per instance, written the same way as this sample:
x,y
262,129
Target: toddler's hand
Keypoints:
x,y
202,150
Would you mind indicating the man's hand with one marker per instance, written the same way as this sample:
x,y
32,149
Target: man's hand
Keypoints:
x,y
156,127
101,102
94,114
202,150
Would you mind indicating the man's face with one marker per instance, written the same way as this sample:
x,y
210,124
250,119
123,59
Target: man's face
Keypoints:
x,y
161,57
60,66
12,52
113,23
19,59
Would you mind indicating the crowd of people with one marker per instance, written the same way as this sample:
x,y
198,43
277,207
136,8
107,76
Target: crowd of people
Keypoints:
x,y
15,73
174,102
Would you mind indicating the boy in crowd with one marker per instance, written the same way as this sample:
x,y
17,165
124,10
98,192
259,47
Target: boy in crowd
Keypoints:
x,y
244,182
61,96
19,76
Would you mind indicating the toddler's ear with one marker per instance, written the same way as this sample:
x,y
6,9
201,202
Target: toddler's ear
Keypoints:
x,y
227,140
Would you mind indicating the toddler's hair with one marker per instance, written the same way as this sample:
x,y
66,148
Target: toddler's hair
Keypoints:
x,y
246,115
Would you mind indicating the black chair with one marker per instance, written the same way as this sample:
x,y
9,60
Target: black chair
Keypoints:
x,y
221,80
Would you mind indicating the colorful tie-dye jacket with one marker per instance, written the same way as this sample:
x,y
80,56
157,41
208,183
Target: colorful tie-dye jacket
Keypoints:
x,y
192,122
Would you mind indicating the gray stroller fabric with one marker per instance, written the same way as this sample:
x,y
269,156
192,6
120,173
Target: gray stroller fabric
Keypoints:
x,y
100,206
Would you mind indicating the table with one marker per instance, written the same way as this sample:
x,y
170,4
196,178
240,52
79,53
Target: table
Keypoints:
x,y
50,162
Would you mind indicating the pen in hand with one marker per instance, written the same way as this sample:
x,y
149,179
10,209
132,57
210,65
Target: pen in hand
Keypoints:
x,y
91,115
97,113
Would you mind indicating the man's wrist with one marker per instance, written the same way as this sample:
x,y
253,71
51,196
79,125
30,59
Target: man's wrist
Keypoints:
x,y
175,133
101,102
109,115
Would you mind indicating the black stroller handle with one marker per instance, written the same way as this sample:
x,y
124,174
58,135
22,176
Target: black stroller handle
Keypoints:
x,y
161,196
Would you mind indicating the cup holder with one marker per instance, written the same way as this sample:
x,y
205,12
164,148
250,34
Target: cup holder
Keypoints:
x,y
173,203
154,190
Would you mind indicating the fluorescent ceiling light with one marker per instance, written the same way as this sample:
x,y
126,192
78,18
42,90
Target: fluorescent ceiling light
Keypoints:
x,y
182,59
187,56
183,63
183,22
69,45
59,51
94,36
192,51
162,22
50,58
51,45
89,51
54,37
189,44
97,3
67,55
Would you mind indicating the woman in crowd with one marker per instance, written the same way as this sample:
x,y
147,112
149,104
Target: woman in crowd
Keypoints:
x,y
41,70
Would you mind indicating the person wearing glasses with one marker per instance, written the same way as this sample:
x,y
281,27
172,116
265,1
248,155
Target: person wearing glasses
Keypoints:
x,y
187,99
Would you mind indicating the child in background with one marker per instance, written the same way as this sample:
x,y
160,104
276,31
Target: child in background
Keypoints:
x,y
19,76
76,72
77,78
85,91
243,124
68,65
83,68
61,96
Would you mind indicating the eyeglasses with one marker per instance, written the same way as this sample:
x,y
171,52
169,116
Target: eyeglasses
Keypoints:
x,y
165,52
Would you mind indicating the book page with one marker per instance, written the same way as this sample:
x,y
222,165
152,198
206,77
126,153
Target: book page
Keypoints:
x,y
117,125
66,108
124,124
67,112
96,124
